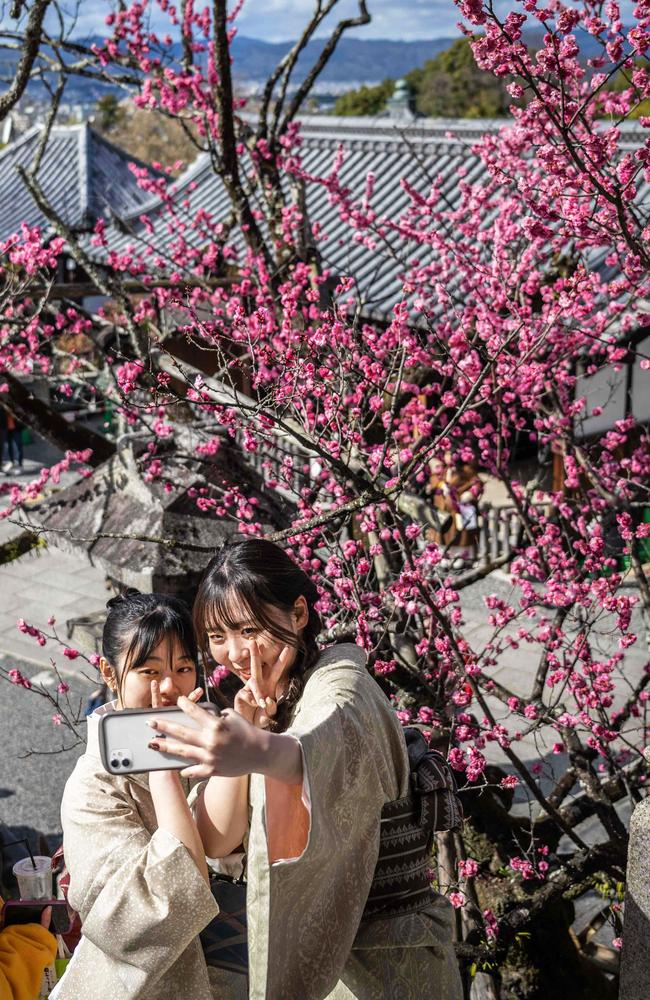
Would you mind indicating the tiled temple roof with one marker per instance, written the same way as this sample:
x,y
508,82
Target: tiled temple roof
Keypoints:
x,y
82,174
417,150
390,149
85,176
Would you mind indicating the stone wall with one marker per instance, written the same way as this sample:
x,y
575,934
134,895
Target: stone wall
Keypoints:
x,y
635,958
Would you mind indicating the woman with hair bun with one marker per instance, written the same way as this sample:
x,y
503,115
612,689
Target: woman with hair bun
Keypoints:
x,y
138,875
338,899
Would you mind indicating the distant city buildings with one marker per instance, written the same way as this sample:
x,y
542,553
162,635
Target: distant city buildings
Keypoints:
x,y
33,110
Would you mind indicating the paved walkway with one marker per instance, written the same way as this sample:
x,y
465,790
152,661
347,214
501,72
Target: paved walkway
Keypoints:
x,y
44,582
38,453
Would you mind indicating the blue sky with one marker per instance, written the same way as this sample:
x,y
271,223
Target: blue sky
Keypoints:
x,y
277,20
394,19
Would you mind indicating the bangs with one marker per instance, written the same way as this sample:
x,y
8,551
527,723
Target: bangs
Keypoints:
x,y
227,607
153,629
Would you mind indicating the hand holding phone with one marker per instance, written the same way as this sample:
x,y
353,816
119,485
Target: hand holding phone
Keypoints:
x,y
124,739
53,914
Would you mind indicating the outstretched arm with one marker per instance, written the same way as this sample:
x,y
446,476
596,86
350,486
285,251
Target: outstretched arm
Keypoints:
x,y
230,749
228,746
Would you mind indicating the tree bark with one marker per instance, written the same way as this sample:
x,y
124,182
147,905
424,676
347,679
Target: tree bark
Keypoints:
x,y
31,46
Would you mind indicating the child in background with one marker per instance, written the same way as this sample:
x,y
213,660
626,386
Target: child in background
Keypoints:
x,y
26,950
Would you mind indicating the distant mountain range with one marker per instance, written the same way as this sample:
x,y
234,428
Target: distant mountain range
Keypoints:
x,y
354,59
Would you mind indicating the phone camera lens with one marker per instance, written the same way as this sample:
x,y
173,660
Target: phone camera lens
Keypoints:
x,y
115,762
126,761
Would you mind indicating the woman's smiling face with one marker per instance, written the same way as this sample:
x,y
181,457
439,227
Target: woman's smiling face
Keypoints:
x,y
230,645
168,664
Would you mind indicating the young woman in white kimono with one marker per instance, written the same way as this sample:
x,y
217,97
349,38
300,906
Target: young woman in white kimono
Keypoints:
x,y
138,874
327,914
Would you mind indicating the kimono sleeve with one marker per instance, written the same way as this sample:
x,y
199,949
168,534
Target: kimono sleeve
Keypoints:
x,y
141,898
304,913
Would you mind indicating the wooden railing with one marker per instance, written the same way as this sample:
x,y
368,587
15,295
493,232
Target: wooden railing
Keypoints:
x,y
499,528
499,534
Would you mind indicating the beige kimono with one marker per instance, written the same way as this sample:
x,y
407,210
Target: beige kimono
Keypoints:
x,y
140,895
307,940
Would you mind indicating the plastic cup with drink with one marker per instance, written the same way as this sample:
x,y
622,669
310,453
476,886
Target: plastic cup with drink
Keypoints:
x,y
34,876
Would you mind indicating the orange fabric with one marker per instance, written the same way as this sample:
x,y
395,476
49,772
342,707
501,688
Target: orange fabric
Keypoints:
x,y
25,952
287,821
11,423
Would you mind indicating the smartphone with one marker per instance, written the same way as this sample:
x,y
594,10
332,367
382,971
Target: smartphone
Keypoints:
x,y
124,737
28,911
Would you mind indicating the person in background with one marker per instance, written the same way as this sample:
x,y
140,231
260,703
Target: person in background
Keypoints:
x,y
12,432
26,950
96,699
456,487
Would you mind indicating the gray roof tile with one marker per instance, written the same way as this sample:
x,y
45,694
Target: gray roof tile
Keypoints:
x,y
82,174
418,152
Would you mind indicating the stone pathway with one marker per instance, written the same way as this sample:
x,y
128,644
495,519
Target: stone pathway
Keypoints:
x,y
37,455
44,582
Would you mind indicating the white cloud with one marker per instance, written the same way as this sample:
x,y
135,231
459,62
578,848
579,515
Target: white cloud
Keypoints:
x,y
280,20
276,20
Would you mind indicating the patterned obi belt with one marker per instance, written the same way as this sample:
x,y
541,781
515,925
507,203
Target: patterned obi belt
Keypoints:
x,y
401,883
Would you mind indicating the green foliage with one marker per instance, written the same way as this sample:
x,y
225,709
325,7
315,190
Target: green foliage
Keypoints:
x,y
18,546
609,889
449,86
109,111
452,86
365,100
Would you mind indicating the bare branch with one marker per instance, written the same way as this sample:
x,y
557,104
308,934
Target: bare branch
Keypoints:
x,y
31,44
318,67
227,137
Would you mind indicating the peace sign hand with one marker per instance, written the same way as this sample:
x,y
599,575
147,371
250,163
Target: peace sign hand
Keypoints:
x,y
257,701
247,705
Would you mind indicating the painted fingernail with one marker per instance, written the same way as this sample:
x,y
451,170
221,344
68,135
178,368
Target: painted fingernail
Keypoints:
x,y
153,745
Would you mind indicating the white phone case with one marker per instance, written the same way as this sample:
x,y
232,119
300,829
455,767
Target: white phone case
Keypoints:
x,y
124,737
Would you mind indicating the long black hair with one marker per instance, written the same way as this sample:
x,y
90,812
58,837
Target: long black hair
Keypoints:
x,y
137,622
254,574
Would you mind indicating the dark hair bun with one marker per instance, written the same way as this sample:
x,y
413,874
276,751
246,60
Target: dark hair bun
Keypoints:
x,y
123,597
